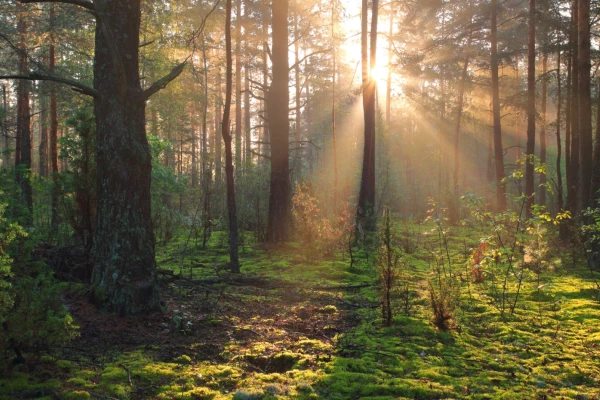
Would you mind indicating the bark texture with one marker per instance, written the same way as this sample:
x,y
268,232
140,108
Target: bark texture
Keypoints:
x,y
124,276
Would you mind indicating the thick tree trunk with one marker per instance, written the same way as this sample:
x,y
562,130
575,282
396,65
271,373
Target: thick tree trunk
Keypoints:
x,y
278,115
543,134
366,199
124,276
585,105
595,194
23,154
231,206
573,170
498,151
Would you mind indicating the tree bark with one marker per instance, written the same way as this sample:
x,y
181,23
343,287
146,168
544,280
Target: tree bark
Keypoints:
x,y
366,199
559,190
6,154
498,151
333,88
43,148
529,153
53,123
278,116
227,139
585,105
124,276
573,170
543,151
238,88
23,154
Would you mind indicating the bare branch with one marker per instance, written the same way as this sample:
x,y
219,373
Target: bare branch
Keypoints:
x,y
300,61
77,86
164,81
81,3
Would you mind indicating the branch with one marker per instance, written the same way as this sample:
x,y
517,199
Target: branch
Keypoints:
x,y
81,3
300,61
164,81
77,86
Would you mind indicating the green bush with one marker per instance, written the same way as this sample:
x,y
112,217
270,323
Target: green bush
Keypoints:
x,y
32,316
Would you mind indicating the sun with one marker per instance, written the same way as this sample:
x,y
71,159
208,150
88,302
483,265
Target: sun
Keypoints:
x,y
378,74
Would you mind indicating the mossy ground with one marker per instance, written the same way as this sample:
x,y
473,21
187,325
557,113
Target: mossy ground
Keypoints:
x,y
298,334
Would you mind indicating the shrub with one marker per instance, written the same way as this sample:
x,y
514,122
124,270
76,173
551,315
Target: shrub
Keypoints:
x,y
319,234
31,314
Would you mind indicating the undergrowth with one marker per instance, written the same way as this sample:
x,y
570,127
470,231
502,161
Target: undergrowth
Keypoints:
x,y
313,329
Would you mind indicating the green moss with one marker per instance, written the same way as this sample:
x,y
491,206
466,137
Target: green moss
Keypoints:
x,y
76,395
183,359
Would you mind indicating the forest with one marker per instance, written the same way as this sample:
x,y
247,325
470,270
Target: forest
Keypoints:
x,y
299,199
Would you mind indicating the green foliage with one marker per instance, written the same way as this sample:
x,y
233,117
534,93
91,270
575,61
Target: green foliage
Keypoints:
x,y
32,315
77,185
166,217
319,235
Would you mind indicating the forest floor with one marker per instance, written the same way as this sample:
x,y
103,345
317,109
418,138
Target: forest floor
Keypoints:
x,y
296,327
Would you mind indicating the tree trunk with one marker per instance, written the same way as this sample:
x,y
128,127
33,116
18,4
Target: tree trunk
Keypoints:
x,y
194,171
559,191
6,154
238,88
498,151
218,128
23,154
43,149
333,138
543,153
529,153
53,124
585,105
366,198
454,204
278,115
231,206
124,276
388,91
573,170
595,187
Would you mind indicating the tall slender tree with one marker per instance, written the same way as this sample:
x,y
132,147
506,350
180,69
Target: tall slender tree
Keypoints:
x,y
366,198
498,150
278,117
227,139
585,105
